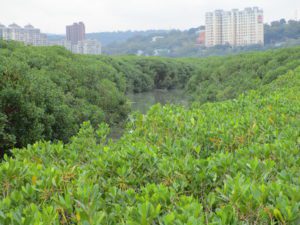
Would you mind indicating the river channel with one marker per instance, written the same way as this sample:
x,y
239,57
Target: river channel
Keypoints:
x,y
142,102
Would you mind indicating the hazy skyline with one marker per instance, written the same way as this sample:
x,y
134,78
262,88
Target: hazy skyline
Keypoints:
x,y
112,15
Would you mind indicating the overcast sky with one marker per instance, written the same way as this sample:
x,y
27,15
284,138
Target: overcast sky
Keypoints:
x,y
51,16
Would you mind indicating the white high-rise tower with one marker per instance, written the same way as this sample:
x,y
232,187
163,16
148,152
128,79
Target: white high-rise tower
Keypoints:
x,y
235,28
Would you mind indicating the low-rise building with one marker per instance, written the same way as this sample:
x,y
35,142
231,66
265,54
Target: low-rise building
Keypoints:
x,y
91,47
87,47
201,38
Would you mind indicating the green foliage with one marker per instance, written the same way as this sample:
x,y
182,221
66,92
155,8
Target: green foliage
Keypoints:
x,y
148,73
233,162
46,93
163,73
221,78
280,31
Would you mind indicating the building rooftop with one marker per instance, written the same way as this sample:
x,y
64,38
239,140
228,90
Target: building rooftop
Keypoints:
x,y
29,26
14,25
248,9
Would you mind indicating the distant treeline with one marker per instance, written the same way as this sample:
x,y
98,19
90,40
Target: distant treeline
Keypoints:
x,y
47,92
176,43
107,38
120,36
282,30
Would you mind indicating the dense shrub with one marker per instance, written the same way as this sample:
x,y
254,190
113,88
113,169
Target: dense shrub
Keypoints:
x,y
221,78
233,162
47,92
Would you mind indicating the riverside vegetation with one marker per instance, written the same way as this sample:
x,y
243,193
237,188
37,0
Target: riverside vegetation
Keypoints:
x,y
47,92
220,161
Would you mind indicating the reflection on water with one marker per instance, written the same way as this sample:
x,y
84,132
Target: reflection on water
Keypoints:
x,y
142,102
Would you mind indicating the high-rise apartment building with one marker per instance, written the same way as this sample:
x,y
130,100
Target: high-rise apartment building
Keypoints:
x,y
76,42
235,28
213,28
75,32
28,34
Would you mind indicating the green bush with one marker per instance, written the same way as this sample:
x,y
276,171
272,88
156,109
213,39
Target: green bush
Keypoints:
x,y
233,162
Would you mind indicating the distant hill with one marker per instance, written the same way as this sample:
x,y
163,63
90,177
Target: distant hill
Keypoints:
x,y
120,36
176,43
107,38
55,37
173,43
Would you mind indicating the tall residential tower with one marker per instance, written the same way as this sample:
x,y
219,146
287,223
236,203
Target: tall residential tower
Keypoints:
x,y
235,28
75,32
76,42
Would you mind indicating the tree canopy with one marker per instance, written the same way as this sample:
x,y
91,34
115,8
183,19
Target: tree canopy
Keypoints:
x,y
47,92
